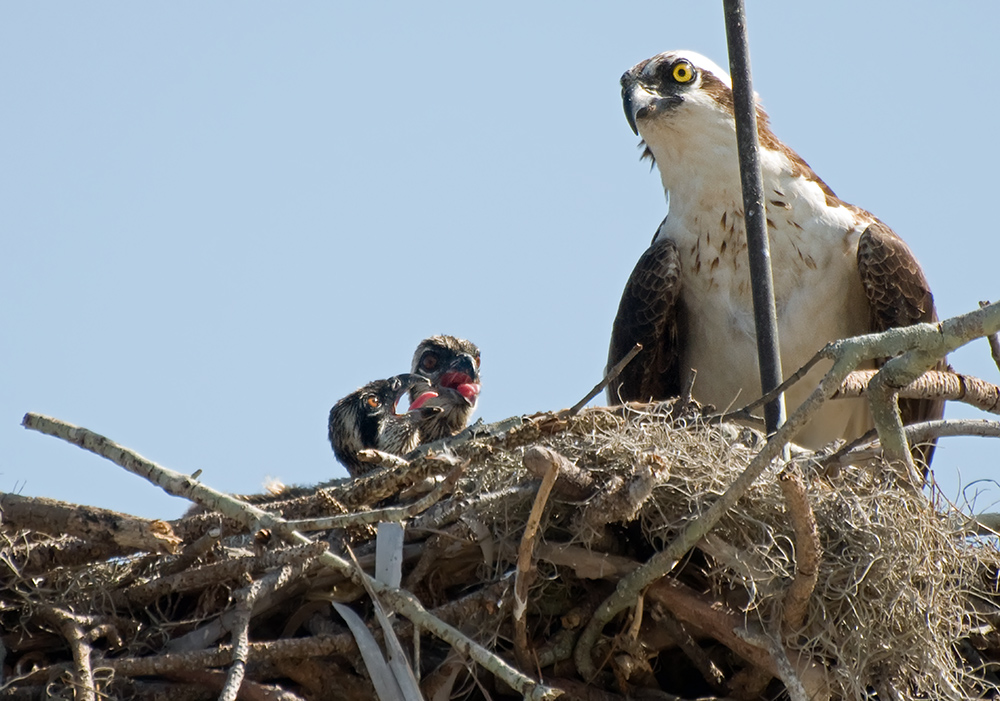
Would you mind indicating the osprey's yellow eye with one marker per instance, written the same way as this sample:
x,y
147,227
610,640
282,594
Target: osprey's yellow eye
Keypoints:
x,y
373,401
683,72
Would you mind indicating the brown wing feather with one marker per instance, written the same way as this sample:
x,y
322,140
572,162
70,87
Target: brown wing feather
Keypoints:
x,y
648,314
898,295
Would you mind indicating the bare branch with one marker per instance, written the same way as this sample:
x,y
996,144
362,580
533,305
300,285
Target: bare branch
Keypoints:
x,y
608,378
525,573
71,629
88,523
807,550
868,447
933,384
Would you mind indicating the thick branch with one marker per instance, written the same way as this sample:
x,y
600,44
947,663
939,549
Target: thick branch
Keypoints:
x,y
88,523
933,384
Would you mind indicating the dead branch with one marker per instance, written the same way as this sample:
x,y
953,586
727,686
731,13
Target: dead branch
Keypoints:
x,y
788,675
33,558
933,384
868,447
88,523
807,550
272,590
79,646
525,573
245,600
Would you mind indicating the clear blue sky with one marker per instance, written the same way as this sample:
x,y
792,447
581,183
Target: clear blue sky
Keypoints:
x,y
219,218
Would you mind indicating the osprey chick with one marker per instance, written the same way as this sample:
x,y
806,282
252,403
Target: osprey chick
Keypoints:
x,y
367,419
838,271
451,365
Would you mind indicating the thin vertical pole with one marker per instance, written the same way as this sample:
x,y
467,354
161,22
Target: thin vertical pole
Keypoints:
x,y
761,282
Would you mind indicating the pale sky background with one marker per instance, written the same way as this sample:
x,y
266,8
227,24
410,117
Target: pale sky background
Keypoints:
x,y
218,218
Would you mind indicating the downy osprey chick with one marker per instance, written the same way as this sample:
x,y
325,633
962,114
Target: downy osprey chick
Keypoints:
x,y
452,366
838,271
367,419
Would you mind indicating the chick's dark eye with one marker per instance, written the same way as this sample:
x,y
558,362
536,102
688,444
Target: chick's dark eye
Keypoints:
x,y
682,72
477,362
429,362
373,401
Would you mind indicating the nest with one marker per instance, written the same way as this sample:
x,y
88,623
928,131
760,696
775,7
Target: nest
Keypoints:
x,y
815,585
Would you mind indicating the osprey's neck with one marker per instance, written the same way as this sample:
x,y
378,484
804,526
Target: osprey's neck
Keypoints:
x,y
702,180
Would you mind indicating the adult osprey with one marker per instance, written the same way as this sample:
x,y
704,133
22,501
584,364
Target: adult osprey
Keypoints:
x,y
838,271
451,365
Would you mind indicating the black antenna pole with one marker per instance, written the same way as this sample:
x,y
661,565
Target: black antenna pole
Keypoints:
x,y
761,282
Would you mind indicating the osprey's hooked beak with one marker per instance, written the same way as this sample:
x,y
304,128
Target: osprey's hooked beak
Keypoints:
x,y
463,377
403,383
642,101
628,82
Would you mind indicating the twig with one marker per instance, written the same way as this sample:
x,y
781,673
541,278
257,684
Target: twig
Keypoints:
x,y
166,663
254,518
994,339
386,482
618,500
525,573
746,412
382,459
391,514
807,550
608,378
697,610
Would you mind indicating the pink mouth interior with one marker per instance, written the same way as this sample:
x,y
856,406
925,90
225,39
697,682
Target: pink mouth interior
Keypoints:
x,y
461,383
422,399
